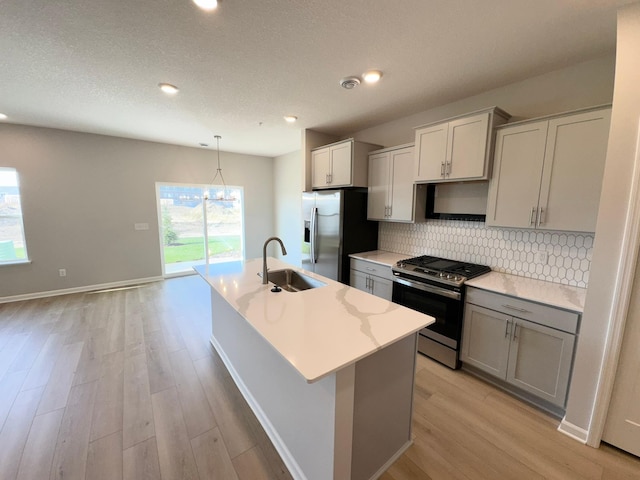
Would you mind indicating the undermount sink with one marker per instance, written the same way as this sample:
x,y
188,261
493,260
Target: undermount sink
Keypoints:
x,y
292,280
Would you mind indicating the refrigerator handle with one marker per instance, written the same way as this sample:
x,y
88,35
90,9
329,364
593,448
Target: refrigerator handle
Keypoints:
x,y
314,234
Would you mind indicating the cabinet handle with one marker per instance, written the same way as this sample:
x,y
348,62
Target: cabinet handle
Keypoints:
x,y
506,328
542,217
390,210
515,331
532,220
442,169
371,284
448,170
515,308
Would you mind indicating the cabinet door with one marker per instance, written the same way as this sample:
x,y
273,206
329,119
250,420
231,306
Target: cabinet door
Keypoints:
x,y
341,164
467,148
320,167
573,170
540,360
401,189
485,339
359,280
515,185
378,198
431,153
381,287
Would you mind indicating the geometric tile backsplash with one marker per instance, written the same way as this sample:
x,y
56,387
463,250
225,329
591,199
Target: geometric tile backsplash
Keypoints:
x,y
517,252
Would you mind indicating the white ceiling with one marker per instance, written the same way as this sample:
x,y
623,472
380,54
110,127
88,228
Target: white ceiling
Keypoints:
x,y
93,66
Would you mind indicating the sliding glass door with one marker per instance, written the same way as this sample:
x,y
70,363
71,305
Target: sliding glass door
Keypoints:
x,y
196,220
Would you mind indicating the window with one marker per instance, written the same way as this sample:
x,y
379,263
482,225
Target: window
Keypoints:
x,y
13,248
184,236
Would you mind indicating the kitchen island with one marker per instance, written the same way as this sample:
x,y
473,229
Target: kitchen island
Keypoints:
x,y
328,371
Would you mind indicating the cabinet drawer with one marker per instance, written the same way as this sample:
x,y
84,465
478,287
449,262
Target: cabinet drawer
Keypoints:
x,y
534,312
372,268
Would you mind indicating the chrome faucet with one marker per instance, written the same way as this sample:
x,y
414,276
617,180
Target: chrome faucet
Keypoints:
x,y
265,280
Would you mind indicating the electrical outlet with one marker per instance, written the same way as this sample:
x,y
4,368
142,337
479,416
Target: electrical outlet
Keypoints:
x,y
141,226
62,272
541,257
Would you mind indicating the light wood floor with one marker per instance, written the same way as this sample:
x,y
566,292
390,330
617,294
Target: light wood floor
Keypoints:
x,y
124,385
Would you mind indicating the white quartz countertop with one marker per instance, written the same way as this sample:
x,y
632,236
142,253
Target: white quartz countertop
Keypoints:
x,y
319,331
554,294
382,257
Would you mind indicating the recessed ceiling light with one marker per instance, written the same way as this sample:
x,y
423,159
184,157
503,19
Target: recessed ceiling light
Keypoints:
x,y
168,88
3,116
207,5
290,118
372,76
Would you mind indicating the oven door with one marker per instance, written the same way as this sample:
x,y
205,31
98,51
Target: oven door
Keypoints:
x,y
443,304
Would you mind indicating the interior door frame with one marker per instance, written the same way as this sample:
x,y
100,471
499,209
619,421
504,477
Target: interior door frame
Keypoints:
x,y
621,300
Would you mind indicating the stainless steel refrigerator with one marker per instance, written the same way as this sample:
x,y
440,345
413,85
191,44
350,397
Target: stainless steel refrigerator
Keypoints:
x,y
335,225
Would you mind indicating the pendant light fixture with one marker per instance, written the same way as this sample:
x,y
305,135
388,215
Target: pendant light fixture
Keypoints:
x,y
226,196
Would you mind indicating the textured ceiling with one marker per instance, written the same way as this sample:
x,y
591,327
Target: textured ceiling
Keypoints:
x,y
93,66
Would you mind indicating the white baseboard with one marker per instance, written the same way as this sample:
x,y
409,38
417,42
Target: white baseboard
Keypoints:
x,y
87,288
278,443
573,431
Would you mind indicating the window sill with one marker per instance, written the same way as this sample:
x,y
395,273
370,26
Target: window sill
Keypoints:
x,y
15,262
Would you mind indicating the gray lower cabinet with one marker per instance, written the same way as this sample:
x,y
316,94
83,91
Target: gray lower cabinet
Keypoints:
x,y
372,278
533,353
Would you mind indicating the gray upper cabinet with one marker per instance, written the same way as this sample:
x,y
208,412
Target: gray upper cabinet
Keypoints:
x,y
548,172
341,164
393,197
457,149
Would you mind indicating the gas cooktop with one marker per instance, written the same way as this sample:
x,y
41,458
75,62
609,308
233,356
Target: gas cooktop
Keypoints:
x,y
441,270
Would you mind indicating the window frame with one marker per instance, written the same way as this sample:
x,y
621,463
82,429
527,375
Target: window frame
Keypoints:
x,y
204,188
26,258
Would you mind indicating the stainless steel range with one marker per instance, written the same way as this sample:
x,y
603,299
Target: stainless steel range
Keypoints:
x,y
435,286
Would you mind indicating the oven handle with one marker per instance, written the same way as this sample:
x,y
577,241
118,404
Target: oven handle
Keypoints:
x,y
428,288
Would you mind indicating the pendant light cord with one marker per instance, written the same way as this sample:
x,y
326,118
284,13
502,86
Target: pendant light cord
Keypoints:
x,y
225,195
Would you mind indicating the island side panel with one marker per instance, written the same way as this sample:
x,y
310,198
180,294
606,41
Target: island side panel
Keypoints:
x,y
345,403
383,406
298,417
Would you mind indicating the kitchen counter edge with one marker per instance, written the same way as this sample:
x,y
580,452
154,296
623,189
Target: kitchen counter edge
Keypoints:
x,y
342,317
547,293
381,257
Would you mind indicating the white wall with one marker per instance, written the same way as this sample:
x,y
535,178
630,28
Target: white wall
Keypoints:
x,y
287,185
614,205
583,85
82,194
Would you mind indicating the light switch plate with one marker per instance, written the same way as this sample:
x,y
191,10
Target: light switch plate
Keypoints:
x,y
141,226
